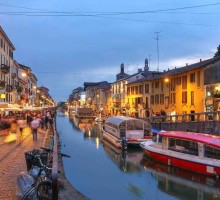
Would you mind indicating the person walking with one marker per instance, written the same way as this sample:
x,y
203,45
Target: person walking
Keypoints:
x,y
34,126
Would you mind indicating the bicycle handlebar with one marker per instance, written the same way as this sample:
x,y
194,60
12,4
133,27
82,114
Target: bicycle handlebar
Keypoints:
x,y
37,156
46,149
49,150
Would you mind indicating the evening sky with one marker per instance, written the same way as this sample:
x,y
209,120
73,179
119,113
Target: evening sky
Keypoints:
x,y
67,43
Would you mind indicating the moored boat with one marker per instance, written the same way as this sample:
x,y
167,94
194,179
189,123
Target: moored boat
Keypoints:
x,y
84,113
192,151
122,131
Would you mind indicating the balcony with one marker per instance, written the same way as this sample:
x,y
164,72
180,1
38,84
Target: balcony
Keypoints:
x,y
8,88
2,85
13,75
19,89
5,69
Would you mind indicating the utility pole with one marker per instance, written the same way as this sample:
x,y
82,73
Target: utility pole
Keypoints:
x,y
158,55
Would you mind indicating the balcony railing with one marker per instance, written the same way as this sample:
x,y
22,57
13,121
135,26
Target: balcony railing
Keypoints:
x,y
2,85
5,69
9,88
13,75
19,89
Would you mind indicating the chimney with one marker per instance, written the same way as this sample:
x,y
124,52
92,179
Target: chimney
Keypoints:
x,y
200,60
186,64
139,70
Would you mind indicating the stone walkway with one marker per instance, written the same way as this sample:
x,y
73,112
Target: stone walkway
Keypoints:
x,y
12,162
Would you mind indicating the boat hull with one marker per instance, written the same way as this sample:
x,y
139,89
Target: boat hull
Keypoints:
x,y
117,142
182,162
112,140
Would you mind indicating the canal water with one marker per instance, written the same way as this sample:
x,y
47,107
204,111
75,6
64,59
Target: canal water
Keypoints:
x,y
101,172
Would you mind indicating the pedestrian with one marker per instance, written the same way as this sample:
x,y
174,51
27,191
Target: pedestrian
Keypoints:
x,y
34,126
21,123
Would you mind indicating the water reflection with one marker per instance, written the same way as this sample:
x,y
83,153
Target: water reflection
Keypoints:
x,y
101,171
181,183
127,161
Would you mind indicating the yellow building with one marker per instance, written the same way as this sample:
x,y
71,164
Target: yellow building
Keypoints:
x,y
182,90
190,89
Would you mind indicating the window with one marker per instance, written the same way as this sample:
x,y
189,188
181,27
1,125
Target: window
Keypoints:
x,y
161,99
192,78
152,99
184,82
147,102
211,152
136,90
157,84
157,99
198,79
132,90
172,85
152,87
192,98
184,97
173,98
128,91
140,89
139,100
147,88
178,80
161,83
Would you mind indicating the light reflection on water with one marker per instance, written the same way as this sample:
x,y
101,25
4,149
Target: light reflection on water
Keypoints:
x,y
102,172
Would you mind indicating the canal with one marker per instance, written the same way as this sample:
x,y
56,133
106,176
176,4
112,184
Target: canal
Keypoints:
x,y
101,172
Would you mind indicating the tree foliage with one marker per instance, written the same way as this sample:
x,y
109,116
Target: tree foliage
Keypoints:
x,y
218,52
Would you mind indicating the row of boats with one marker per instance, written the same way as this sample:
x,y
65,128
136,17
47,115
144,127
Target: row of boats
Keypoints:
x,y
196,152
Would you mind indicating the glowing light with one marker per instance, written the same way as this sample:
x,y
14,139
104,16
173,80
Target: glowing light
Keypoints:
x,y
24,74
217,88
2,96
166,80
97,143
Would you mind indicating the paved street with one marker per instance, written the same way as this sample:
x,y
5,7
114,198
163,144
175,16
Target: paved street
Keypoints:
x,y
12,161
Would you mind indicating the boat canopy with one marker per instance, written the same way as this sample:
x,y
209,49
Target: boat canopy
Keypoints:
x,y
117,120
208,139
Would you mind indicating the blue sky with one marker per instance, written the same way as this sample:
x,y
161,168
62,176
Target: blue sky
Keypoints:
x,y
91,42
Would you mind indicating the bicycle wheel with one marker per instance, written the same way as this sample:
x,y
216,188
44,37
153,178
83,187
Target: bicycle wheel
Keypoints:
x,y
44,190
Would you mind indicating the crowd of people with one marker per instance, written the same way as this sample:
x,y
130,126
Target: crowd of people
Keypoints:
x,y
17,121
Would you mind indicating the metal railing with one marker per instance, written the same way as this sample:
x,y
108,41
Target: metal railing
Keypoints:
x,y
205,122
203,116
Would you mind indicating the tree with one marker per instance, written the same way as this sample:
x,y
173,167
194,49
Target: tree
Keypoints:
x,y
218,52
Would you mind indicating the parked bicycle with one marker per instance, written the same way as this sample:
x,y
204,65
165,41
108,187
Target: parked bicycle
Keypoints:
x,y
37,184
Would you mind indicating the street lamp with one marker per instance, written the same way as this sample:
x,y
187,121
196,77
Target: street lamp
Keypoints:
x,y
166,80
